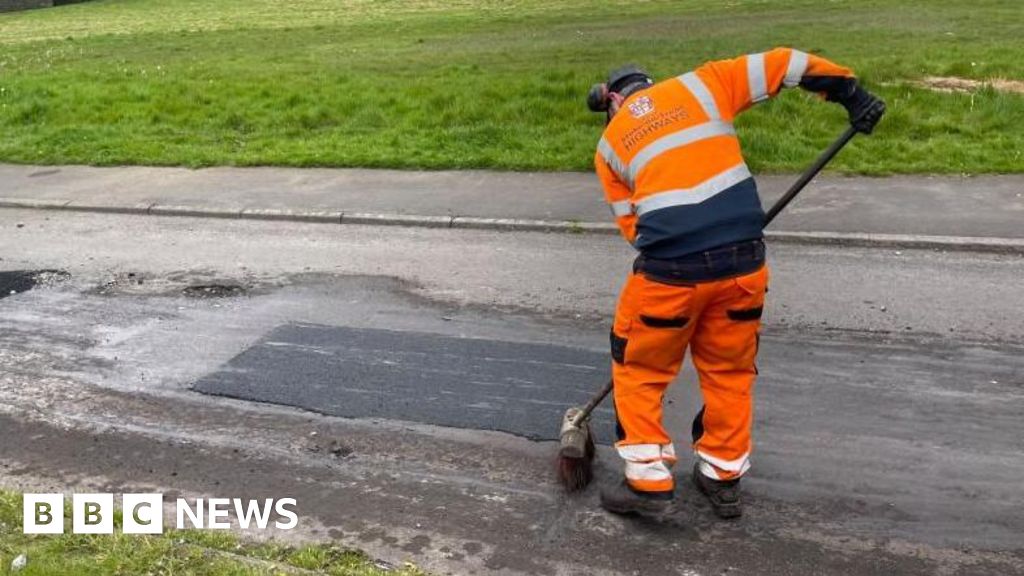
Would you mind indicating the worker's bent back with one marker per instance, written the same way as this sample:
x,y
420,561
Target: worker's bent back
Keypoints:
x,y
670,160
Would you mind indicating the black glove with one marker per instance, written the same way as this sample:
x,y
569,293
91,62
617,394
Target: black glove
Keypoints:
x,y
865,109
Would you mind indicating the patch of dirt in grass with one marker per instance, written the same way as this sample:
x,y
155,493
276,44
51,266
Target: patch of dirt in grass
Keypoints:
x,y
956,84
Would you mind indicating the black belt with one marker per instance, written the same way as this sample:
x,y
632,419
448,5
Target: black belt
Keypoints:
x,y
730,260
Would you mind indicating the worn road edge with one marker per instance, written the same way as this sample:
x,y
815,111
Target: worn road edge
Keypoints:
x,y
888,241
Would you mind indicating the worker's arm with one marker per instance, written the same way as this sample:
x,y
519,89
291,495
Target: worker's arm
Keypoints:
x,y
618,195
753,78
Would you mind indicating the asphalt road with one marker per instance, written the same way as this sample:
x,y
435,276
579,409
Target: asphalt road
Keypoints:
x,y
890,407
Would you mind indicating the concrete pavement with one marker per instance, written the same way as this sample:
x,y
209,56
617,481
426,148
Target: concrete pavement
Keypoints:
x,y
977,213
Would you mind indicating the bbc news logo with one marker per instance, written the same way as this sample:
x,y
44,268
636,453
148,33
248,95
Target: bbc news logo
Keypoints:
x,y
144,513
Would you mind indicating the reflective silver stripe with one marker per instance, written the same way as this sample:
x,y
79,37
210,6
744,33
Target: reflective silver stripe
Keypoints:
x,y
675,140
796,69
621,208
699,193
756,78
647,462
650,471
640,452
609,155
709,470
668,453
740,464
696,87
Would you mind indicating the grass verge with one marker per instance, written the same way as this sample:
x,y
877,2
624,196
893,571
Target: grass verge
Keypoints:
x,y
481,83
191,552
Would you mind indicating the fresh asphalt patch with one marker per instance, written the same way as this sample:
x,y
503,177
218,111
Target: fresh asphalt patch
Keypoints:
x,y
519,388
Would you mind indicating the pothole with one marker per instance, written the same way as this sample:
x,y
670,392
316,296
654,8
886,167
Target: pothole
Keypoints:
x,y
17,281
213,291
192,284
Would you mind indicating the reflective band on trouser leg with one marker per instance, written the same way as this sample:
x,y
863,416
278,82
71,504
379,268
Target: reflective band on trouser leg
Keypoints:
x,y
621,208
646,470
795,70
700,91
756,78
668,454
604,148
676,140
697,194
723,469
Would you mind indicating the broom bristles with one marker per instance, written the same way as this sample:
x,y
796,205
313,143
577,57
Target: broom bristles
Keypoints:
x,y
575,474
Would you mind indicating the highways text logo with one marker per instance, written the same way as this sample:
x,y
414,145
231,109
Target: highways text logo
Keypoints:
x,y
144,513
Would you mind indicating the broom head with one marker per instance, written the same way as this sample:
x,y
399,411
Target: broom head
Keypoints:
x,y
576,453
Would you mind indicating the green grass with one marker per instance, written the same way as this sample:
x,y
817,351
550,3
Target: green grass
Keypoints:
x,y
199,553
480,84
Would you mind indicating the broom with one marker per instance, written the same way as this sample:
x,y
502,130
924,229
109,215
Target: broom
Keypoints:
x,y
576,442
576,451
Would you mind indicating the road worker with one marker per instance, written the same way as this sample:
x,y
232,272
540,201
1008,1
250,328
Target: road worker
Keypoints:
x,y
674,177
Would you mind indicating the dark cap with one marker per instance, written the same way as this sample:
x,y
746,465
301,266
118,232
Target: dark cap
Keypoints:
x,y
628,79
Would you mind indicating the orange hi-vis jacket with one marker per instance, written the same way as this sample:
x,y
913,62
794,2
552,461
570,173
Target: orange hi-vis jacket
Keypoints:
x,y
670,162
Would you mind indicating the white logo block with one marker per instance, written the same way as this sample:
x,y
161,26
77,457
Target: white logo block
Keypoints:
x,y
92,514
142,513
43,513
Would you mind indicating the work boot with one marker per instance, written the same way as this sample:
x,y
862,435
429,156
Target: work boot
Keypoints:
x,y
621,499
723,494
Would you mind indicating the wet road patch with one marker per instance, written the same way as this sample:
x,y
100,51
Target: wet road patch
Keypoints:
x,y
213,291
17,281
519,388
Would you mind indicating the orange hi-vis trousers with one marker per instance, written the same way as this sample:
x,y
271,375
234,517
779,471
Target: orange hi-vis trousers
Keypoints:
x,y
655,322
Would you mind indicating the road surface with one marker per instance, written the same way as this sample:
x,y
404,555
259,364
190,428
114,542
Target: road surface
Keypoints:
x,y
890,405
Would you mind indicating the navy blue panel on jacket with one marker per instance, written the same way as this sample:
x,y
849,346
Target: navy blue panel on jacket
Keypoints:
x,y
733,215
